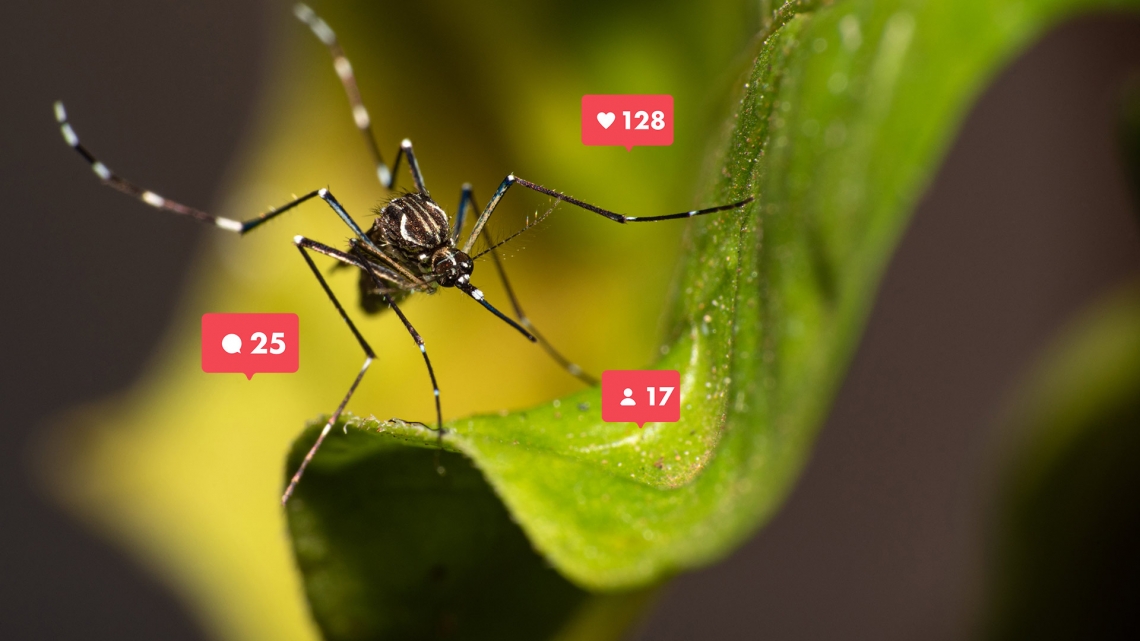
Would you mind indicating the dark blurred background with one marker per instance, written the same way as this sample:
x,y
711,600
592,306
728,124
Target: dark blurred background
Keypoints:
x,y
190,87
1029,218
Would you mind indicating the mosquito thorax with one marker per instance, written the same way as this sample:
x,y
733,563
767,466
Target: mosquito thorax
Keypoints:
x,y
418,228
415,225
451,267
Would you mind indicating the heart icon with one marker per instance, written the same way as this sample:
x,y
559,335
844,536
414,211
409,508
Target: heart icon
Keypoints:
x,y
605,119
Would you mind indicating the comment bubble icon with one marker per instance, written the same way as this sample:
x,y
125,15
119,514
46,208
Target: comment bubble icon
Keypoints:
x,y
231,344
250,343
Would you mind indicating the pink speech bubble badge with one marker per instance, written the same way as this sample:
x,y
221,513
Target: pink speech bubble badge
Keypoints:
x,y
250,343
627,120
641,396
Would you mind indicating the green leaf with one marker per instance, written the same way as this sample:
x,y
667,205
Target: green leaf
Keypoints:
x,y
392,549
1065,562
841,122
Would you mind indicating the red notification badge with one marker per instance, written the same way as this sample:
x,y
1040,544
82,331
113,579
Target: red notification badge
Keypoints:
x,y
641,396
627,120
250,343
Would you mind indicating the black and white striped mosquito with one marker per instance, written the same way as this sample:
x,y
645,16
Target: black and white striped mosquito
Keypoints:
x,y
411,246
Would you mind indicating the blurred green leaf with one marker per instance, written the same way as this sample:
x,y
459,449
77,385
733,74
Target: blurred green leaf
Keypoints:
x,y
840,123
1065,563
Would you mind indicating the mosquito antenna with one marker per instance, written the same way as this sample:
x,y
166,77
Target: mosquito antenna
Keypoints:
x,y
529,225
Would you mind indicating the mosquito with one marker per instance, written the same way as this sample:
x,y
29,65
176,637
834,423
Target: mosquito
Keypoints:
x,y
411,246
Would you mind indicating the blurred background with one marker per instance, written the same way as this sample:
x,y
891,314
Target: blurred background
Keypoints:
x,y
1029,219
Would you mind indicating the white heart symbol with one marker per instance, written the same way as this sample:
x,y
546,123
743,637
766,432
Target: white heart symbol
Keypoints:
x,y
605,119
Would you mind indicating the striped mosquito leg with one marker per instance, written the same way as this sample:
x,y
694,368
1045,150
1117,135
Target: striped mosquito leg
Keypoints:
x,y
302,245
629,219
614,216
343,68
690,214
154,200
413,166
149,197
467,201
573,368
427,361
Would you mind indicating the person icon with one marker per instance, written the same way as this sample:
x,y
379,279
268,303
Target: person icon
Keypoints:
x,y
627,401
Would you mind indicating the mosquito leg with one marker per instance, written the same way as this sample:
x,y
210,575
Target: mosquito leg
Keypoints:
x,y
360,116
467,201
302,244
399,282
323,194
347,78
616,217
151,198
427,361
413,166
573,368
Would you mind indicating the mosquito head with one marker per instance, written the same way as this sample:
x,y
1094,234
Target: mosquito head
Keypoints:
x,y
451,267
